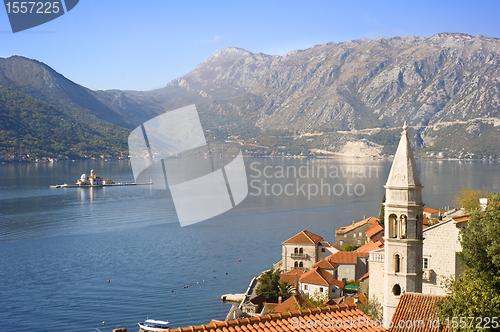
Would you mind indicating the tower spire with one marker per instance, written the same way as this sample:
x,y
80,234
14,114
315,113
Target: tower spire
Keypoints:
x,y
404,172
403,228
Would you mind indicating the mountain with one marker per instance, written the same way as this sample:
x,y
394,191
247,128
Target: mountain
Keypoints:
x,y
350,98
447,83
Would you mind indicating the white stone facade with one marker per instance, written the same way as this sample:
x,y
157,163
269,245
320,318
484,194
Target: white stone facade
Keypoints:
x,y
298,256
441,245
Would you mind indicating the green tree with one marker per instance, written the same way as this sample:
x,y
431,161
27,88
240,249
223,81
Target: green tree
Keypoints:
x,y
269,285
350,247
477,292
285,290
381,215
372,308
468,198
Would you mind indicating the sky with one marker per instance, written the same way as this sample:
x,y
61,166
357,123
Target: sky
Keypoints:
x,y
143,45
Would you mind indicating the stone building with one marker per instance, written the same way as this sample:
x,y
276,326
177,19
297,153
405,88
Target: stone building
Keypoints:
x,y
354,234
319,281
440,260
300,251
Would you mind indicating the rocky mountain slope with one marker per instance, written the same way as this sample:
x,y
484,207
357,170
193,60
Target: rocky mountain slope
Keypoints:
x,y
445,81
446,87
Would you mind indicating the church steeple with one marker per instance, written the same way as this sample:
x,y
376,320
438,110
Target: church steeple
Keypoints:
x,y
403,228
404,169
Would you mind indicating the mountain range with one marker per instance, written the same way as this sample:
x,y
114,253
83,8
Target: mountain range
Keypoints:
x,y
339,97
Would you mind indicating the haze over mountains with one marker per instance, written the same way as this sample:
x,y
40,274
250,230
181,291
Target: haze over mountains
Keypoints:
x,y
445,86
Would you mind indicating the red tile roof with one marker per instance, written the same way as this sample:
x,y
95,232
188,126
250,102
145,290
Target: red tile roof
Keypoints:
x,y
304,237
366,275
371,220
291,279
346,257
371,246
462,218
317,276
374,230
415,307
282,322
429,210
326,264
292,303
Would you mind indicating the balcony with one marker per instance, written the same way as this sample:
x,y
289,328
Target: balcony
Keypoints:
x,y
298,256
377,256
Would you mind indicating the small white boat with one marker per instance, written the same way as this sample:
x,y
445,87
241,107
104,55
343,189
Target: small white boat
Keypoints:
x,y
154,325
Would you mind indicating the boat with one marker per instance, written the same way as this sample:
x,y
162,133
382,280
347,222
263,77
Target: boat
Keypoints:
x,y
154,325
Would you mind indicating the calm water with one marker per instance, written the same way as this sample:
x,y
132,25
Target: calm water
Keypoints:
x,y
59,247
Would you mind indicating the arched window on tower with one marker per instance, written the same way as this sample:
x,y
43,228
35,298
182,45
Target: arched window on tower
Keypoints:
x,y
392,226
296,264
296,250
301,251
301,264
403,229
397,263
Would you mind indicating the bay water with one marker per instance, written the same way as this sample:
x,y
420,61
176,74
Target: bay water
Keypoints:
x,y
59,247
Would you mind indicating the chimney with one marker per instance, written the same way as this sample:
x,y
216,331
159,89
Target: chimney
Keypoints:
x,y
353,222
364,217
280,299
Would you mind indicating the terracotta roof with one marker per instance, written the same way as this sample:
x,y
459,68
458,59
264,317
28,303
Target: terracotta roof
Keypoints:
x,y
259,299
304,237
318,276
346,257
282,322
429,210
338,283
374,230
292,303
297,272
371,220
463,218
326,264
366,275
425,221
367,247
291,279
416,307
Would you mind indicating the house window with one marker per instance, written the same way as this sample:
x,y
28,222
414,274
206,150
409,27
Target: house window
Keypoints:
x,y
296,250
305,287
341,243
321,289
322,249
354,235
359,234
426,263
345,235
301,264
347,270
359,241
296,264
301,251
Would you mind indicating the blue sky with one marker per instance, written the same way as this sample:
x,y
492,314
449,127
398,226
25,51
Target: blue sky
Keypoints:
x,y
142,45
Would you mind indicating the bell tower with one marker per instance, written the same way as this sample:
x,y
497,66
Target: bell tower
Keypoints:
x,y
403,228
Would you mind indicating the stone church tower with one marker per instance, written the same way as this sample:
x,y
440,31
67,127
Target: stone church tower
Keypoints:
x,y
403,228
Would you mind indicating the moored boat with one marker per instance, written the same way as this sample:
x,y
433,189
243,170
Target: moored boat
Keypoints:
x,y
154,325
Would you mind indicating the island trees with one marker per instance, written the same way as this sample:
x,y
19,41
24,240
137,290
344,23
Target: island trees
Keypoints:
x,y
474,300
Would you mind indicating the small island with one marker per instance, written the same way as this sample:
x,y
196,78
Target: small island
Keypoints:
x,y
94,180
